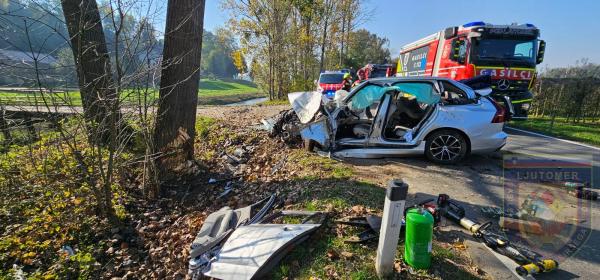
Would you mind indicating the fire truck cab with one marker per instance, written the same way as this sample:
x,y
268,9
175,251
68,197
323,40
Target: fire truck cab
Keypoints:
x,y
508,53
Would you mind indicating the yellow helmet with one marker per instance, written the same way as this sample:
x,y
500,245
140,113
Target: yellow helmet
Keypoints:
x,y
347,75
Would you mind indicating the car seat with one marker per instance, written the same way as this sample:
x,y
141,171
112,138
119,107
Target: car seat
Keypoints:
x,y
361,130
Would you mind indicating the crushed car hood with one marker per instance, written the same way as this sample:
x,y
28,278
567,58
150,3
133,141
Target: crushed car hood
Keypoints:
x,y
306,104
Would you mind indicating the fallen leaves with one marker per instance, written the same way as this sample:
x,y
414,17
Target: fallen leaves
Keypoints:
x,y
332,254
459,245
347,255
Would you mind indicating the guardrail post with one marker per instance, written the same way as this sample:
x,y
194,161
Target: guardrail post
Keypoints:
x,y
4,128
391,223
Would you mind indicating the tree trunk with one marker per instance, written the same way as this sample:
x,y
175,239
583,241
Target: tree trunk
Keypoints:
x,y
343,37
176,117
323,44
327,14
93,67
307,52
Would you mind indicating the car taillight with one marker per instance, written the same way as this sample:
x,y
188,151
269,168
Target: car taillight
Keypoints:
x,y
500,115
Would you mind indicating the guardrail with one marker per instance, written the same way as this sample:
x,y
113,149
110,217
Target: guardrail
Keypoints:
x,y
35,100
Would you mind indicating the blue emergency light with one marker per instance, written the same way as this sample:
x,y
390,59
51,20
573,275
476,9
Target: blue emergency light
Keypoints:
x,y
474,23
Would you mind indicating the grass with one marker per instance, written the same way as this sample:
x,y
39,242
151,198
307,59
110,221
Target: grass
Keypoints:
x,y
203,125
583,132
275,102
312,260
211,92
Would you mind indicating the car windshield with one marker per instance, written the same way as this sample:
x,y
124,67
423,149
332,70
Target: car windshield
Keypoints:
x,y
331,78
505,50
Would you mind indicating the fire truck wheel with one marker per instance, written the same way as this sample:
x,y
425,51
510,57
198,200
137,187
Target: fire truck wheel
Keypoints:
x,y
446,147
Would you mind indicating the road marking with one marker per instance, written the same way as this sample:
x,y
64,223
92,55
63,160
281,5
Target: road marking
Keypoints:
x,y
559,139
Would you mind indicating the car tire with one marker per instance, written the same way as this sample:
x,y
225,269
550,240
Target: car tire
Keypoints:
x,y
309,145
446,147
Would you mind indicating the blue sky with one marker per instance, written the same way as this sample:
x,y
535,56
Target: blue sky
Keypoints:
x,y
571,28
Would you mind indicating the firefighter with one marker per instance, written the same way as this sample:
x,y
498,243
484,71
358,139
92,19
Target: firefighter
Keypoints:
x,y
347,82
361,77
363,74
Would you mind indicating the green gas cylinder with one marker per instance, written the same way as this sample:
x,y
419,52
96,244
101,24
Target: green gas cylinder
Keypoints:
x,y
417,244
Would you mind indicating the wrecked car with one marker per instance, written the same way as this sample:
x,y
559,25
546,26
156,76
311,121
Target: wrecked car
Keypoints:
x,y
441,118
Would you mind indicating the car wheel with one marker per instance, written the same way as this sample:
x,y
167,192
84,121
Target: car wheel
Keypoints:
x,y
446,147
309,145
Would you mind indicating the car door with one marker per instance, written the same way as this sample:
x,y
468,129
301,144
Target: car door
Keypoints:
x,y
363,105
424,91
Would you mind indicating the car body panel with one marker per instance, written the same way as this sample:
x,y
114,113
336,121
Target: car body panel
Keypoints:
x,y
306,104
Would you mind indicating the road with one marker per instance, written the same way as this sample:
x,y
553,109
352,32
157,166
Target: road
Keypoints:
x,y
584,264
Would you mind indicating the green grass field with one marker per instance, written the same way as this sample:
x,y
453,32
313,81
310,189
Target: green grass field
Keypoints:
x,y
212,92
588,132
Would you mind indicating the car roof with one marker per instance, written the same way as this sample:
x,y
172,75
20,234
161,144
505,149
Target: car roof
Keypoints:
x,y
387,80
391,80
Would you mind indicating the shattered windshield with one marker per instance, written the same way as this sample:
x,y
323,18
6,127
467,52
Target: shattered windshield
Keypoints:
x,y
505,50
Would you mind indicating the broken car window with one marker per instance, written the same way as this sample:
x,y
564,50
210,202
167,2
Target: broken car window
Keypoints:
x,y
452,95
365,97
422,91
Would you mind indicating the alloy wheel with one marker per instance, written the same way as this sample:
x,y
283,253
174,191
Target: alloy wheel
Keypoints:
x,y
445,147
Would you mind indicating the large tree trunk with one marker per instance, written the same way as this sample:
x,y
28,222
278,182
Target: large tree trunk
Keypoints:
x,y
175,126
93,67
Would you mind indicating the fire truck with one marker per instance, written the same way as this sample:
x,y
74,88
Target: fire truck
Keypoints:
x,y
507,53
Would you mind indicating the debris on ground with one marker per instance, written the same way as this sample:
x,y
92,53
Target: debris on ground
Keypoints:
x,y
371,225
244,243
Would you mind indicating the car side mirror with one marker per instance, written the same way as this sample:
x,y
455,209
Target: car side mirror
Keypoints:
x,y
541,50
509,106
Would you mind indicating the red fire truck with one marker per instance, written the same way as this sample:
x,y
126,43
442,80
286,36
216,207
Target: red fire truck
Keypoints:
x,y
508,53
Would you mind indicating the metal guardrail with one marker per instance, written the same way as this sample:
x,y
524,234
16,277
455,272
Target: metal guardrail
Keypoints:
x,y
28,100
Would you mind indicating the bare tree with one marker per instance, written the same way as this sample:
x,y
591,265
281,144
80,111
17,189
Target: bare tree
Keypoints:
x,y
175,126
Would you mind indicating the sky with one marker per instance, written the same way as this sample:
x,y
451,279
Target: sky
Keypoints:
x,y
571,28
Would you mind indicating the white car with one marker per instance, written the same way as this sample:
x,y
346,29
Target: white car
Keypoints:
x,y
441,118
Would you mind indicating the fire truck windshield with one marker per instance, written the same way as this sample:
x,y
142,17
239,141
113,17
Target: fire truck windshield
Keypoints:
x,y
507,51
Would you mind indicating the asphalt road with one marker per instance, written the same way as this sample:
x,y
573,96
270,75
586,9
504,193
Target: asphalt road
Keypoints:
x,y
532,144
585,263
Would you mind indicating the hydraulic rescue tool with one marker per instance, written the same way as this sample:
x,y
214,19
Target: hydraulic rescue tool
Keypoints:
x,y
529,261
